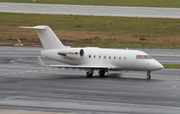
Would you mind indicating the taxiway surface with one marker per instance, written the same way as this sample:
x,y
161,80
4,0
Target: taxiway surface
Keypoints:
x,y
27,86
150,12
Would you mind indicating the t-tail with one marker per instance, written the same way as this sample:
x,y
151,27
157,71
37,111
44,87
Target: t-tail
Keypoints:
x,y
48,38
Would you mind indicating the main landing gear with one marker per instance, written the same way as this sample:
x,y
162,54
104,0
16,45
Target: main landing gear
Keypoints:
x,y
102,72
90,73
148,76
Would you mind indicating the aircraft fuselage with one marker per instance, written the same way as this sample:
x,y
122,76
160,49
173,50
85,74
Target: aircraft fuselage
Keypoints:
x,y
116,59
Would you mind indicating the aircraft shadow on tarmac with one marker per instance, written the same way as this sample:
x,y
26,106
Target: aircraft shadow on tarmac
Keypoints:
x,y
111,76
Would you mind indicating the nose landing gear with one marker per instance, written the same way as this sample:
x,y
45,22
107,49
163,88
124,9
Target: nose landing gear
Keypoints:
x,y
148,76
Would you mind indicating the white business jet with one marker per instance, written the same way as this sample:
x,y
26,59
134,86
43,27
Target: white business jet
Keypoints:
x,y
93,58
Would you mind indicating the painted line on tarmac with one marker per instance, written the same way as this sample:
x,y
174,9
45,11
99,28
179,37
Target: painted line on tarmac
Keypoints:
x,y
6,73
176,86
13,61
20,62
35,71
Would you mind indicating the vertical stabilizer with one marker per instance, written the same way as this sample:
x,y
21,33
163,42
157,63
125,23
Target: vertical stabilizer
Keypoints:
x,y
48,39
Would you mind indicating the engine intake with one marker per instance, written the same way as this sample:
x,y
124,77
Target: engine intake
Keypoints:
x,y
73,53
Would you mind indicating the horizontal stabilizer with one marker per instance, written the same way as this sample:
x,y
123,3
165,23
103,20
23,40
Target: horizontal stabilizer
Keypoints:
x,y
36,27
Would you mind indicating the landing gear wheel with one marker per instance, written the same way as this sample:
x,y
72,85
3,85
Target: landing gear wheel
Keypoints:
x,y
89,73
102,72
148,76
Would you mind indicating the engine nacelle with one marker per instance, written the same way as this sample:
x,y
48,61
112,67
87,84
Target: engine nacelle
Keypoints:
x,y
73,53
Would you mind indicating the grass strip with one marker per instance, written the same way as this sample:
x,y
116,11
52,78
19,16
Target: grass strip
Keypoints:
x,y
141,3
176,66
114,32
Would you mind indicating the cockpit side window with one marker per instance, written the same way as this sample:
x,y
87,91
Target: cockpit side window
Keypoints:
x,y
143,57
148,57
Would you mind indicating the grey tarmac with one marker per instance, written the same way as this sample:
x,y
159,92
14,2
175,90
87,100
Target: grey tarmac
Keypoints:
x,y
28,86
147,12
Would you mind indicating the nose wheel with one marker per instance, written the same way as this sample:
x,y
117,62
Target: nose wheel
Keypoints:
x,y
148,76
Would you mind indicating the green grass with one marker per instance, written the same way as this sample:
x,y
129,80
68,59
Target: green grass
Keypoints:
x,y
177,66
139,27
6,44
143,3
116,32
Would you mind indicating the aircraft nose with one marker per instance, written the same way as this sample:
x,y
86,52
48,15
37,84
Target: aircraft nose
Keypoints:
x,y
155,65
159,66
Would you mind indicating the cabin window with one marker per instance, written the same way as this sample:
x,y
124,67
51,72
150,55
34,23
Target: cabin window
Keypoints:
x,y
124,58
114,57
99,56
94,56
89,56
104,57
109,57
143,57
119,58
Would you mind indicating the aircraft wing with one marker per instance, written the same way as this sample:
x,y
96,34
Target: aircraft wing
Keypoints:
x,y
79,67
76,66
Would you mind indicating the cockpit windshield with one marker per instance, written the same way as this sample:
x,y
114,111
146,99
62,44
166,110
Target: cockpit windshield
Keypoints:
x,y
143,57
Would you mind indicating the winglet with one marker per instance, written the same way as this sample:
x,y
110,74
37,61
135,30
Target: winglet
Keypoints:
x,y
41,61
